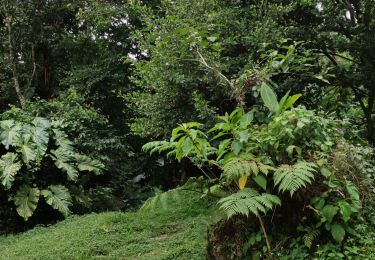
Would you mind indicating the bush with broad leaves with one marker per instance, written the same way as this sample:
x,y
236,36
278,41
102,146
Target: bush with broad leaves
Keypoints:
x,y
38,161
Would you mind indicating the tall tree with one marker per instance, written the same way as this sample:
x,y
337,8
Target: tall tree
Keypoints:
x,y
344,31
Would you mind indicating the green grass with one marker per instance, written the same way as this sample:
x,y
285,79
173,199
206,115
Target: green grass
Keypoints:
x,y
177,232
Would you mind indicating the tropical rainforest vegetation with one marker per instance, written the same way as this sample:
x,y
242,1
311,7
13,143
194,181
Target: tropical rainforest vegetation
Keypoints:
x,y
232,129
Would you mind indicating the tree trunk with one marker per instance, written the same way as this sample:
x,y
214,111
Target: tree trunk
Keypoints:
x,y
369,119
13,64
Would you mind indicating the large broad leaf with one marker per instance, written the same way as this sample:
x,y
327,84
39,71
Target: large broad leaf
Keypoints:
x,y
354,194
9,167
10,131
345,210
26,201
246,119
40,122
261,181
291,100
62,139
64,160
58,197
329,212
282,102
269,98
338,232
41,136
27,147
242,182
85,163
70,169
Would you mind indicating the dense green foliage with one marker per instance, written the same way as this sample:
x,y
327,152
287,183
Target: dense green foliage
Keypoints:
x,y
267,106
288,154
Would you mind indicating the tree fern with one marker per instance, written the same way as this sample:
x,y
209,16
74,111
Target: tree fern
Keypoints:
x,y
292,178
248,201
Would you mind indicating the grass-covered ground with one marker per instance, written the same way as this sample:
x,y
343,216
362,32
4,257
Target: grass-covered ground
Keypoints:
x,y
178,233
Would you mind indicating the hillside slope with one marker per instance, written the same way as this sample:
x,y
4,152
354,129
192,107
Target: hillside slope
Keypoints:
x,y
177,232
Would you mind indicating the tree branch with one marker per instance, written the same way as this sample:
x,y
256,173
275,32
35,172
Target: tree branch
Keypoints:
x,y
239,97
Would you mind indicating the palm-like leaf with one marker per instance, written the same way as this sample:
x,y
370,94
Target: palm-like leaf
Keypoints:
x,y
158,146
238,167
292,178
248,201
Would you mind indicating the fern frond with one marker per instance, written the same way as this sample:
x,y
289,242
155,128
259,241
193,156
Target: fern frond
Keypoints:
x,y
238,167
162,200
292,178
310,237
158,146
248,201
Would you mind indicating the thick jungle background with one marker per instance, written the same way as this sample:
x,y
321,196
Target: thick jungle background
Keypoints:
x,y
232,129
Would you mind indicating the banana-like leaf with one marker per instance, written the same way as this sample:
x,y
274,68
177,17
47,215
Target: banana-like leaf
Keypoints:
x,y
9,167
269,98
291,100
26,201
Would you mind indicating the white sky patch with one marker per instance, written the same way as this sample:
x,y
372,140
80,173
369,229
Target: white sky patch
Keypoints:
x,y
347,15
131,56
319,6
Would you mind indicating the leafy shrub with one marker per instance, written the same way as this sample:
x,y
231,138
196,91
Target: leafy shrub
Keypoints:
x,y
39,161
251,166
95,136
